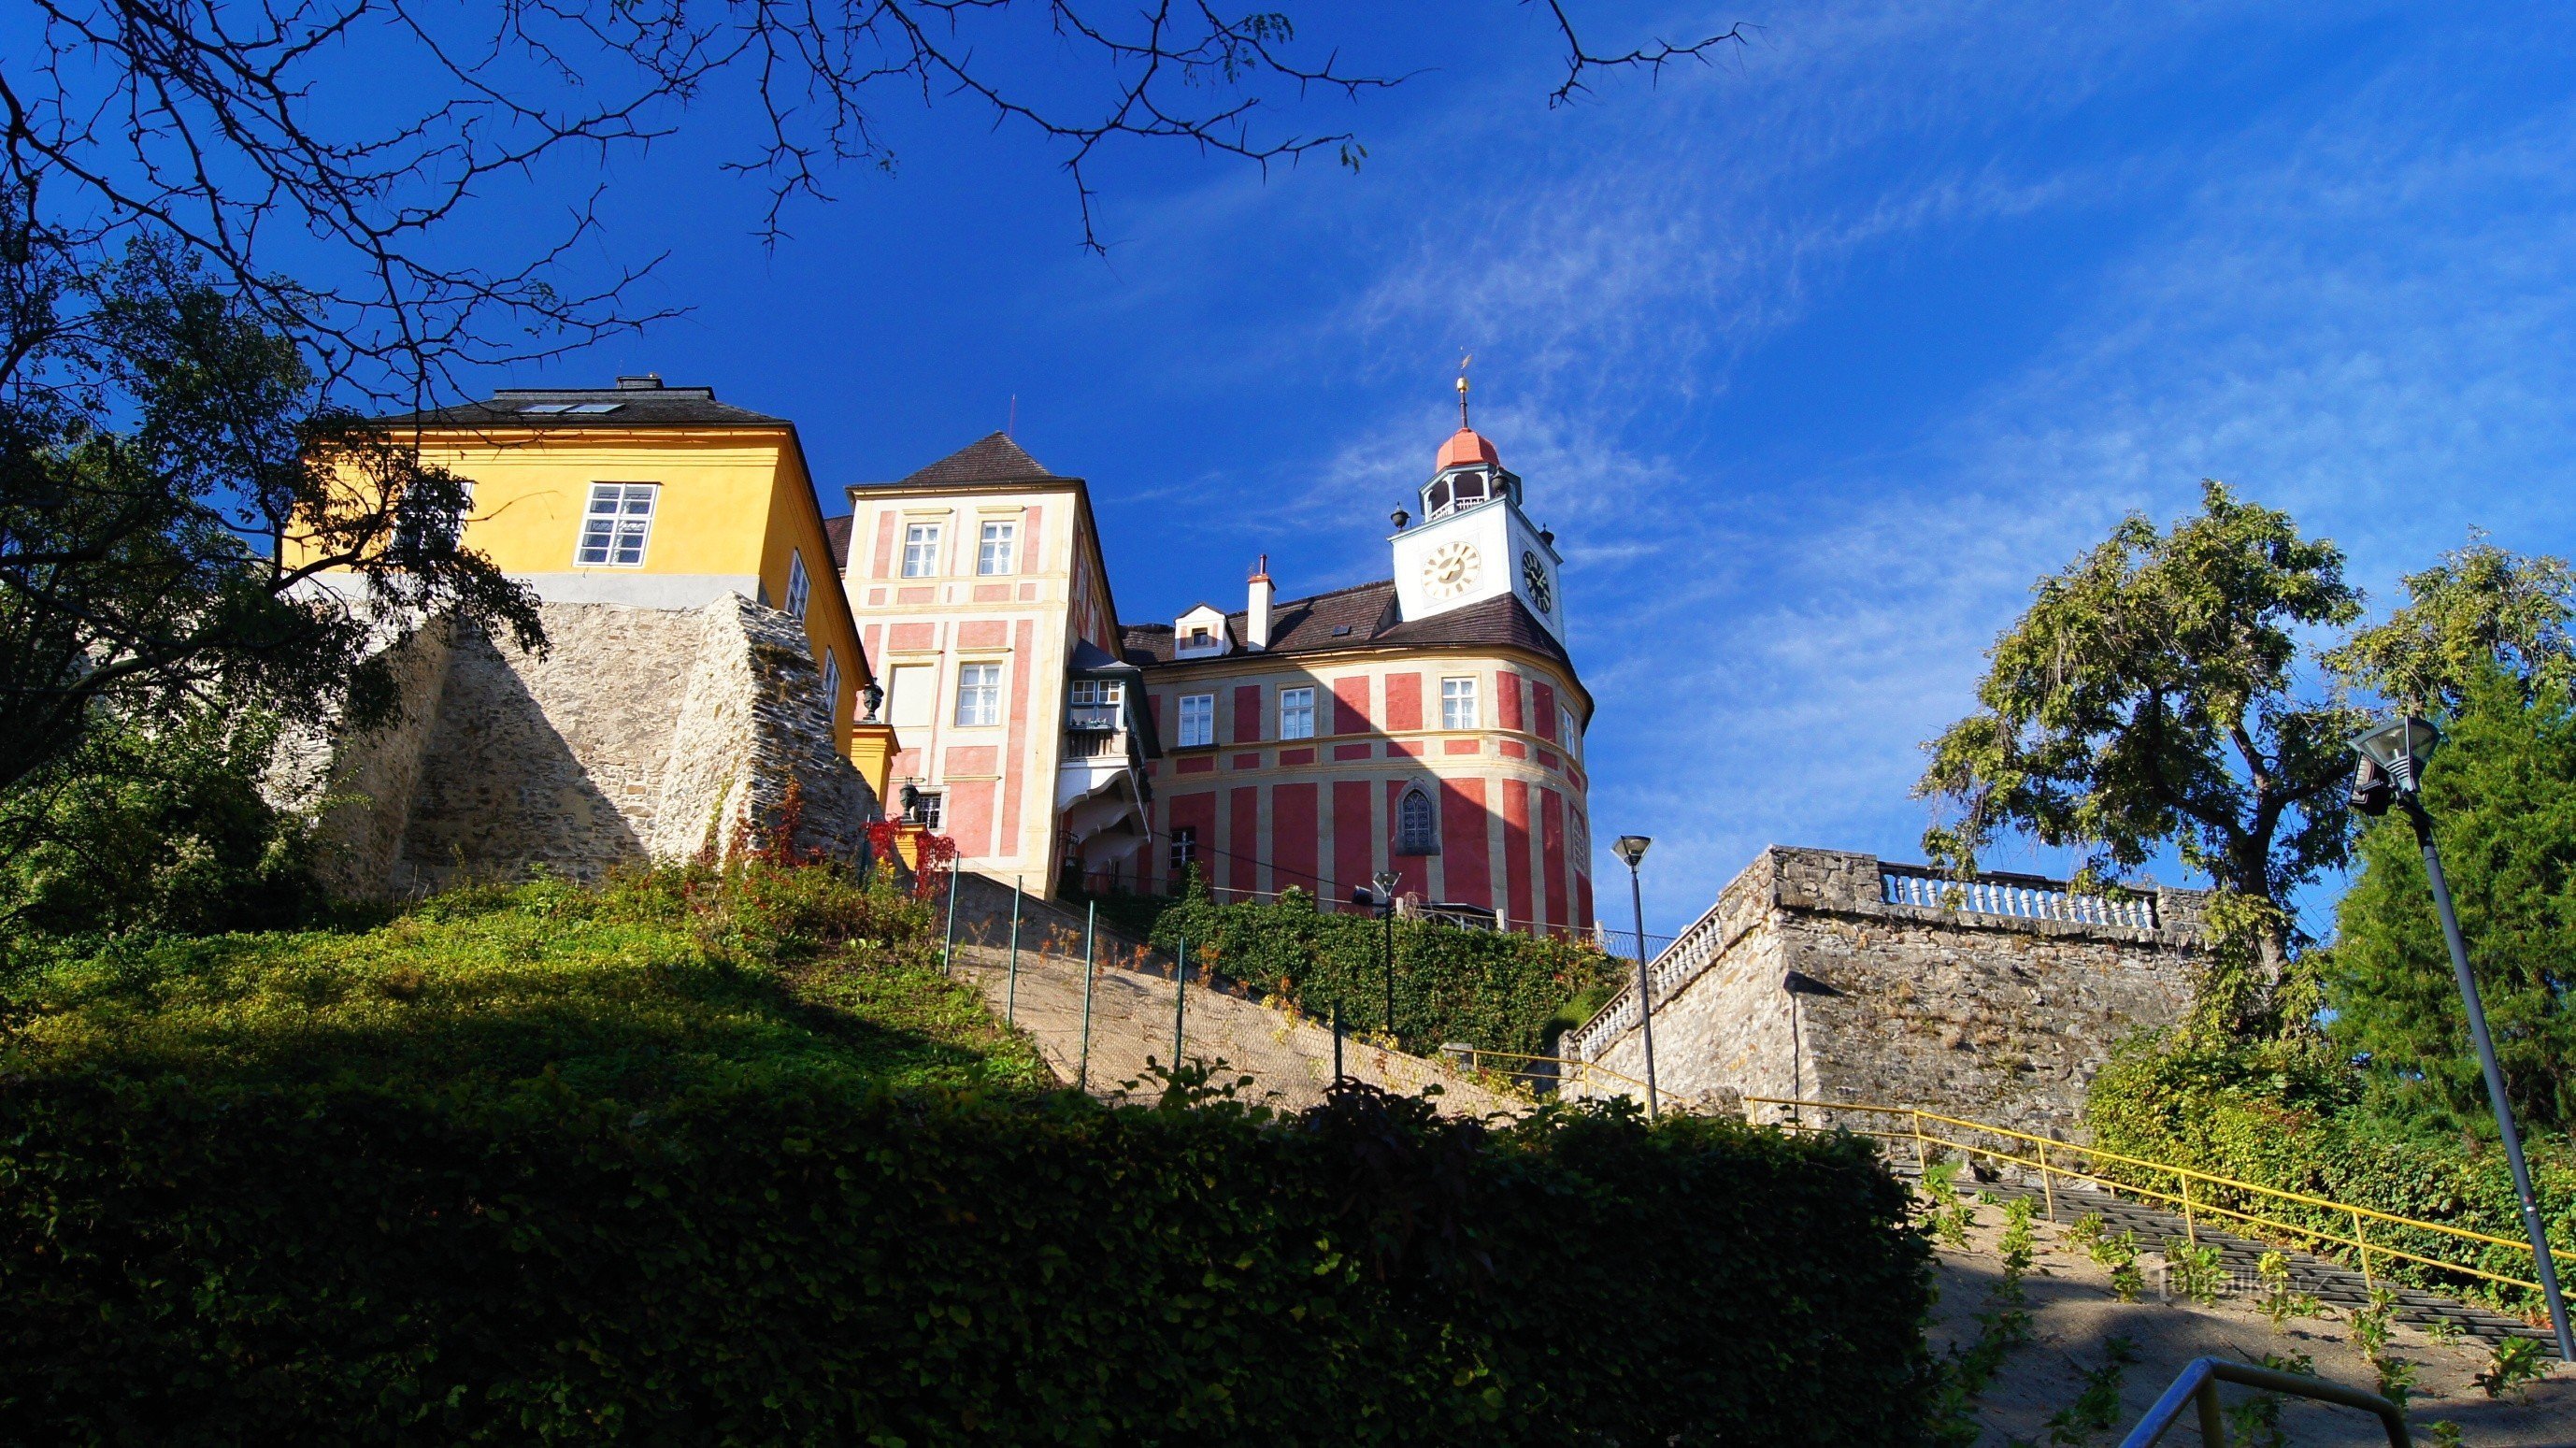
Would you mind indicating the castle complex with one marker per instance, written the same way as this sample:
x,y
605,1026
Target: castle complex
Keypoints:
x,y
951,653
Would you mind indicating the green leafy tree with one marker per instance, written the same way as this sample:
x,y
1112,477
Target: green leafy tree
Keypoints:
x,y
2502,794
2479,608
2149,699
184,524
155,827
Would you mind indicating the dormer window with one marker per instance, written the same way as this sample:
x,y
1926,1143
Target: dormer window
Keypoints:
x,y
1199,634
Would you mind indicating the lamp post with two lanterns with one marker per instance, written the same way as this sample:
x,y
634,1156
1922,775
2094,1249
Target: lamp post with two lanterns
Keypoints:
x,y
2391,771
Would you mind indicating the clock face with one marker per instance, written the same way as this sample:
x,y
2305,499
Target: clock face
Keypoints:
x,y
1451,569
1534,576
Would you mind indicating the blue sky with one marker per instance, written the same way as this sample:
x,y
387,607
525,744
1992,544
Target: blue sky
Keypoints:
x,y
1814,358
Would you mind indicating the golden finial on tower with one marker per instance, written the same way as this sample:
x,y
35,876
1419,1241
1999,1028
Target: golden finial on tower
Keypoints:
x,y
1463,359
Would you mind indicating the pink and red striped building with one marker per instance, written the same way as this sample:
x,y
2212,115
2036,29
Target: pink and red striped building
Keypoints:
x,y
1429,725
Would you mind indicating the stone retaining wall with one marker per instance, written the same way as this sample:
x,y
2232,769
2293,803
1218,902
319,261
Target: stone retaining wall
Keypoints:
x,y
640,733
1997,1018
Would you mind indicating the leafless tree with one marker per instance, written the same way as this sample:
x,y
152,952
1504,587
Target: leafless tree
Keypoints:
x,y
222,240
250,132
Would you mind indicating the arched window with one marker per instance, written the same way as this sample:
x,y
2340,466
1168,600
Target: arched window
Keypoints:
x,y
1438,498
1417,825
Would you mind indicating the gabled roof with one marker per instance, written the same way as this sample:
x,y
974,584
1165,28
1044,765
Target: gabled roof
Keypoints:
x,y
1361,617
836,539
634,402
990,459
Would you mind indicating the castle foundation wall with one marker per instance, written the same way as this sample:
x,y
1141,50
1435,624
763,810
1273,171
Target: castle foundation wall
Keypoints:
x,y
1809,983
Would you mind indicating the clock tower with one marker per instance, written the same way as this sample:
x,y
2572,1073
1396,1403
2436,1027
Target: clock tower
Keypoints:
x,y
1474,544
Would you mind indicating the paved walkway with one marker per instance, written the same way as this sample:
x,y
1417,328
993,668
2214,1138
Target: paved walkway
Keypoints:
x,y
1289,1058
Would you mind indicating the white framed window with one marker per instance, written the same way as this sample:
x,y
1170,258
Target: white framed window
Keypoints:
x,y
617,525
1185,846
1198,720
1417,824
926,812
993,551
920,550
1297,713
1095,703
1566,735
831,684
979,695
800,589
1457,703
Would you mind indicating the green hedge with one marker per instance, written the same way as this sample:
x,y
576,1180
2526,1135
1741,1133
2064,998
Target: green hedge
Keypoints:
x,y
312,1266
1495,990
2287,1116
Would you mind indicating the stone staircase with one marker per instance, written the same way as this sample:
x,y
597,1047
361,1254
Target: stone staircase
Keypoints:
x,y
2332,1283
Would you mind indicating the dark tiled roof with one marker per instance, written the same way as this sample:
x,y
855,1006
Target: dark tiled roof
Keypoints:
x,y
836,539
652,405
992,459
1367,612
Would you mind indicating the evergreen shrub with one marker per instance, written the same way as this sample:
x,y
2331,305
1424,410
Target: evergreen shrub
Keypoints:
x,y
778,1265
717,1156
1495,990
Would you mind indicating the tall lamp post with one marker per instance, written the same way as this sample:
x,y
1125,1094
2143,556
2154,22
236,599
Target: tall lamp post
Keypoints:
x,y
1632,848
2392,770
1387,880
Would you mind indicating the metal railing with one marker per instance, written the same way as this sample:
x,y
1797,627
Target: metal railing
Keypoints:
x,y
1095,743
2018,897
1531,1072
2052,1159
2198,1387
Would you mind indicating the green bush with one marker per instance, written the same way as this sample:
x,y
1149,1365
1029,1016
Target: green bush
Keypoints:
x,y
158,828
1495,990
2286,1115
717,1156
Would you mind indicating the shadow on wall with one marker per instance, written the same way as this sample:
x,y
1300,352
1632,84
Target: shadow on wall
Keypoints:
x,y
501,790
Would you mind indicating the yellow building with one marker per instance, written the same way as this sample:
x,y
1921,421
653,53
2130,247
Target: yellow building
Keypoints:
x,y
650,496
701,678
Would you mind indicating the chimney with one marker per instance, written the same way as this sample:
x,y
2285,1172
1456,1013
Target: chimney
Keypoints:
x,y
1256,613
640,382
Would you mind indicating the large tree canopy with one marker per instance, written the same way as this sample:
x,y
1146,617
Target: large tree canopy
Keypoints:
x,y
2150,698
2480,608
183,525
2502,794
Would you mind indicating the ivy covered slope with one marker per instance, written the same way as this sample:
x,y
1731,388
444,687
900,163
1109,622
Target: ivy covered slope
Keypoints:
x,y
719,1158
1496,990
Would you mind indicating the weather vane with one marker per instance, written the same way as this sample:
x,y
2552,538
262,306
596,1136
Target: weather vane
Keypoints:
x,y
1463,359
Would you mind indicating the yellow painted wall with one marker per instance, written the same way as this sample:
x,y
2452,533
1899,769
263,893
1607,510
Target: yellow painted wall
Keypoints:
x,y
733,503
713,514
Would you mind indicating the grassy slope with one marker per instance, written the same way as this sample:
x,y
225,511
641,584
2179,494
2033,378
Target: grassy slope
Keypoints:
x,y
652,986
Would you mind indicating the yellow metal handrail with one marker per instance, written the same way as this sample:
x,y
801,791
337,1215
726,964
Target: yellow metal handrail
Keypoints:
x,y
2184,1176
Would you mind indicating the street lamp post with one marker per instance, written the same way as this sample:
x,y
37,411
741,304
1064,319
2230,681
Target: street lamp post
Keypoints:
x,y
1387,880
2392,767
1632,848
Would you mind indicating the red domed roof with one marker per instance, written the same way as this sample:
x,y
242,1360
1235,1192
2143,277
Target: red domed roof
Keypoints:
x,y
1466,445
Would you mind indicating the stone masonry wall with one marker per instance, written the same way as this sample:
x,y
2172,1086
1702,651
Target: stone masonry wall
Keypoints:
x,y
639,734
359,788
1996,1018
